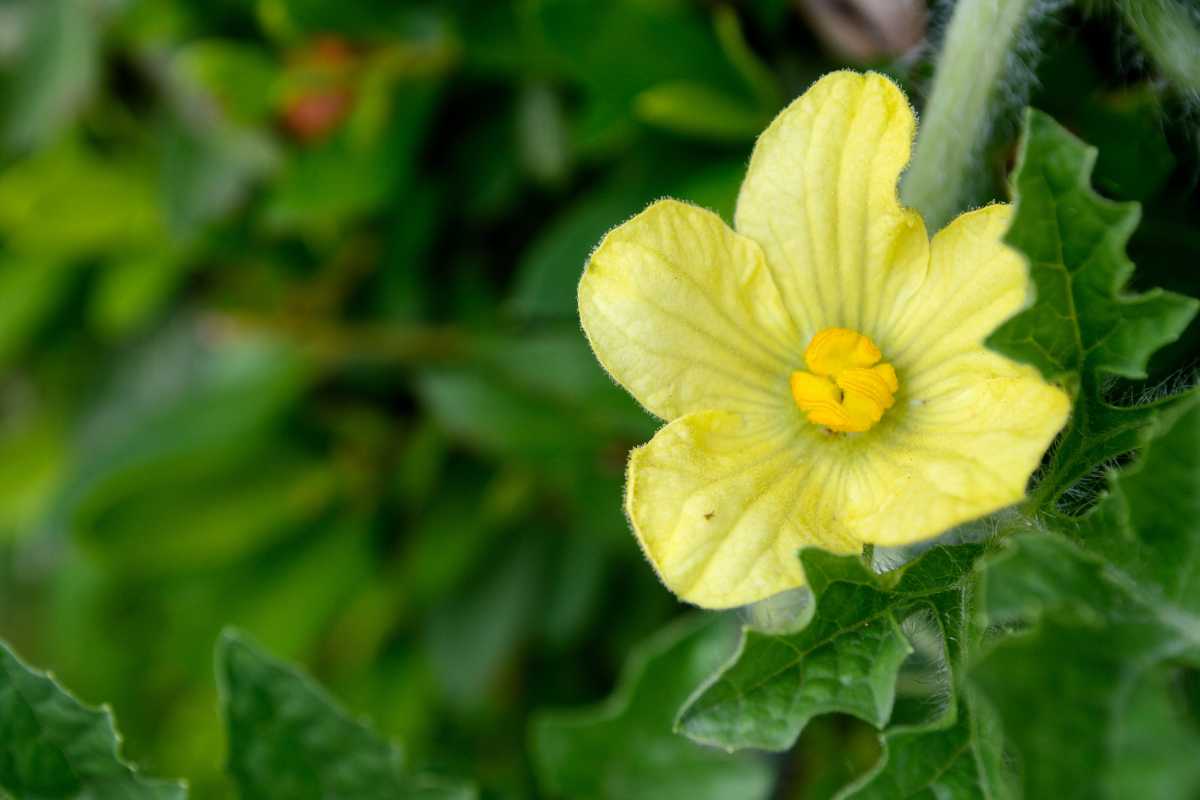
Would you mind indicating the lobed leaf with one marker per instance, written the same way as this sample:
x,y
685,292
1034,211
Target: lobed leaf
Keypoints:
x,y
1083,328
845,659
625,749
289,739
1111,612
53,746
959,757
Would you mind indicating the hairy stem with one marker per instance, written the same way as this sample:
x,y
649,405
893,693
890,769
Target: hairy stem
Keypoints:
x,y
956,120
1171,35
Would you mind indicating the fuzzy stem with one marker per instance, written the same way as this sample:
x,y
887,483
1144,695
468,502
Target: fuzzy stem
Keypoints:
x,y
955,122
1171,35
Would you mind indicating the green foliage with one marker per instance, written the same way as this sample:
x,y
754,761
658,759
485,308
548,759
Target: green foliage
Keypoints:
x,y
1112,603
1079,628
626,749
289,739
288,341
1169,30
1083,326
53,746
845,659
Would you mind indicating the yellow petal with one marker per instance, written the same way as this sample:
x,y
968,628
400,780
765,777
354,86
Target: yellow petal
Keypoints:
x,y
683,313
975,282
722,502
820,197
963,450
972,425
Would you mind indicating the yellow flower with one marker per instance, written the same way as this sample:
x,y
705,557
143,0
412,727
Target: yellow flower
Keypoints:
x,y
822,368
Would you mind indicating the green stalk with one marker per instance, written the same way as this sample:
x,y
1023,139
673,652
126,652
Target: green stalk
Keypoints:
x,y
956,121
1170,35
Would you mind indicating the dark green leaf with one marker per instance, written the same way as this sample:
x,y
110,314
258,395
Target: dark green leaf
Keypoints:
x,y
1106,614
625,749
541,397
959,757
1147,525
289,739
844,660
618,49
53,746
1083,328
957,751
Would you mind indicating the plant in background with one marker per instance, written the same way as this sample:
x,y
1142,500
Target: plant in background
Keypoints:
x,y
291,342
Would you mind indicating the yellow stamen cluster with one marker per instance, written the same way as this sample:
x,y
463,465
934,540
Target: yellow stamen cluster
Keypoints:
x,y
846,388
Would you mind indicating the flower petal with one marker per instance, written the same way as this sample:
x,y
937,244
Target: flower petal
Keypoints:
x,y
722,502
820,197
960,452
970,426
684,314
975,282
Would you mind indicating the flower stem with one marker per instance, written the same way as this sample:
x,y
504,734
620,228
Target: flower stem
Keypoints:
x,y
1171,35
956,121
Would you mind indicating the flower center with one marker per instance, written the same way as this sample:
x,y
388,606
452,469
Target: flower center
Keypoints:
x,y
846,388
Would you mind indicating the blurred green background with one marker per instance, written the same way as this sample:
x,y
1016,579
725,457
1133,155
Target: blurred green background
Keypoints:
x,y
288,334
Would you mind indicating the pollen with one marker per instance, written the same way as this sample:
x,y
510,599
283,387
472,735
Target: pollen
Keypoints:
x,y
847,387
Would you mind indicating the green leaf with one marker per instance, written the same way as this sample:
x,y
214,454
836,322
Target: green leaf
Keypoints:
x,y
1062,695
1155,748
54,72
616,50
540,397
70,202
1109,605
624,749
959,756
1147,523
178,463
289,739
845,659
699,111
53,746
1083,328
958,751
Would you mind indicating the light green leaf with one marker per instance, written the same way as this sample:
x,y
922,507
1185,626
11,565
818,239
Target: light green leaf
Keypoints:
x,y
1083,327
57,44
69,202
616,50
53,746
844,660
289,739
700,111
624,749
